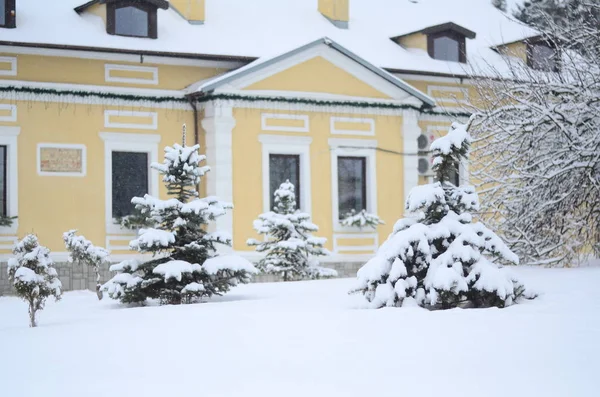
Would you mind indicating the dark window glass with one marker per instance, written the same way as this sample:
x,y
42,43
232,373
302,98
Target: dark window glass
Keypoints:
x,y
131,21
129,180
3,175
284,167
543,58
446,49
2,12
352,184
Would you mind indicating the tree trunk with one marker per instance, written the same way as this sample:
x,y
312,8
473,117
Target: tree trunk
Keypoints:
x,y
98,285
32,311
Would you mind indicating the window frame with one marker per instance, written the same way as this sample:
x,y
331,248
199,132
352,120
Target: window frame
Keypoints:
x,y
460,38
297,187
112,7
127,142
364,178
346,148
530,61
294,145
9,138
10,14
147,187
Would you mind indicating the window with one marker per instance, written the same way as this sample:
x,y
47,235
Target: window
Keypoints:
x,y
3,180
352,185
543,57
131,18
284,167
129,179
7,14
447,46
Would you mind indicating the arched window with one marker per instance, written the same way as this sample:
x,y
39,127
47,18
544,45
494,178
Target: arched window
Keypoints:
x,y
447,46
131,18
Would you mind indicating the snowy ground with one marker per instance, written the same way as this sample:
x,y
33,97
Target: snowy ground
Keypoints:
x,y
308,339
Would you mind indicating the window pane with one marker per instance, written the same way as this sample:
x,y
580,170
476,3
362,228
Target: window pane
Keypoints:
x,y
352,185
129,180
2,12
543,58
131,21
446,49
3,174
283,167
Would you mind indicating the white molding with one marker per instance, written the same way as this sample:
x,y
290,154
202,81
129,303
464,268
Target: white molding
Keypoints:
x,y
127,142
118,57
432,79
8,242
219,123
358,248
281,144
443,88
9,137
371,189
13,66
83,148
352,143
129,113
109,67
280,116
13,112
112,247
410,132
356,120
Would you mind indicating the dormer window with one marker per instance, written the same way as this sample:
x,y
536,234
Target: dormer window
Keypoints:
x,y
131,18
543,56
7,14
448,42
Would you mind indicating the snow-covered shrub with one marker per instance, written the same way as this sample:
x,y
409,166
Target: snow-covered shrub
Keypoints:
x,y
362,220
185,265
33,275
83,252
290,249
439,257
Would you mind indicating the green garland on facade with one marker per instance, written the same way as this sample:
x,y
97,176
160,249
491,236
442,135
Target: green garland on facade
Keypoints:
x,y
225,97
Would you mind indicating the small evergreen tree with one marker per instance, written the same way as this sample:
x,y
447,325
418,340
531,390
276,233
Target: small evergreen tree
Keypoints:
x,y
439,256
185,266
33,275
83,252
290,249
361,220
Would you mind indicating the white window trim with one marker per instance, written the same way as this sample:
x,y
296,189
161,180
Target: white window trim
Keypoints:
x,y
12,117
123,142
127,113
280,116
129,68
8,138
335,131
281,144
353,148
83,148
13,66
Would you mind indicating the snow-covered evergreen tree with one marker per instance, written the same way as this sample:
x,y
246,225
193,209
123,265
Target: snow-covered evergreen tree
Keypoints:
x,y
439,257
538,141
33,275
362,219
290,249
83,252
185,266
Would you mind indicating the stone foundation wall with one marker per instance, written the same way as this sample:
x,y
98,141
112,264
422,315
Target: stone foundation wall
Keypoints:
x,y
76,277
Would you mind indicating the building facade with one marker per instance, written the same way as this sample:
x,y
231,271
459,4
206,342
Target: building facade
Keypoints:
x,y
339,96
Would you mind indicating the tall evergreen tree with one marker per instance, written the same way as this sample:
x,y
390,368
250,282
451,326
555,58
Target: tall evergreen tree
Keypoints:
x,y
185,266
290,249
33,275
439,256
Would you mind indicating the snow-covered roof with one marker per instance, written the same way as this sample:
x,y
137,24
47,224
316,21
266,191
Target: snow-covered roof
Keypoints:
x,y
264,28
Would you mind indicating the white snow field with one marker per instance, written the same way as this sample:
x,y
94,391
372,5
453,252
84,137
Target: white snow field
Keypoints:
x,y
308,339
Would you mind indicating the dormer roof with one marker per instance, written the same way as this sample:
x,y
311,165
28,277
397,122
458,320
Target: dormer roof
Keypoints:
x,y
163,4
443,27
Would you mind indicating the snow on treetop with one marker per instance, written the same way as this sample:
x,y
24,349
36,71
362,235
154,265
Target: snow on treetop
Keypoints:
x,y
175,269
153,238
286,189
455,138
228,262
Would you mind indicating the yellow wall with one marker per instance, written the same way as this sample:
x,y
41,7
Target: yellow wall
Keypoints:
x,y
247,172
192,10
337,10
518,50
415,40
317,75
92,72
99,10
51,205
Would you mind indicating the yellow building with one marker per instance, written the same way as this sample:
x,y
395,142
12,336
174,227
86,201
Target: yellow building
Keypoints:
x,y
326,93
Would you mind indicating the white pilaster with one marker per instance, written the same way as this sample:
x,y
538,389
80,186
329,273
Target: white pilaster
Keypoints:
x,y
410,133
218,123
